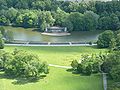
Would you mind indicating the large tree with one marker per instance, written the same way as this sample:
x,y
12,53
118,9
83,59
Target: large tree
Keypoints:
x,y
105,39
90,20
23,64
77,21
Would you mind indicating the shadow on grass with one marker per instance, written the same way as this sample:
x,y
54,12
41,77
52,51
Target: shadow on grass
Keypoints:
x,y
72,71
21,80
3,76
81,74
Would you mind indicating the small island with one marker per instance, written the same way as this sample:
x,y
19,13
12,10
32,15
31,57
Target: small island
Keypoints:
x,y
56,31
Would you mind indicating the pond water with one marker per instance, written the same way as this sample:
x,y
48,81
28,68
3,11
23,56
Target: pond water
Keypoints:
x,y
29,35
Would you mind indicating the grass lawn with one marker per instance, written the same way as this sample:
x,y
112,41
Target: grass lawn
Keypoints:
x,y
58,55
58,78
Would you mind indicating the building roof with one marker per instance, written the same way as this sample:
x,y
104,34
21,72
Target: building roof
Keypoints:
x,y
55,28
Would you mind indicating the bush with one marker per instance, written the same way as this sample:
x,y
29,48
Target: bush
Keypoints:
x,y
1,43
87,66
106,39
115,73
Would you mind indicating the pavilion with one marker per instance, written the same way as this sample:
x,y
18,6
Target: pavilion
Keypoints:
x,y
56,31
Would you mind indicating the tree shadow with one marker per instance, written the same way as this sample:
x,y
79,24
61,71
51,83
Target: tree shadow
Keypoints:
x,y
3,76
76,72
21,80
72,71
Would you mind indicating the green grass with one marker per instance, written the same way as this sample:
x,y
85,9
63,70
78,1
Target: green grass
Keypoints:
x,y
58,55
58,78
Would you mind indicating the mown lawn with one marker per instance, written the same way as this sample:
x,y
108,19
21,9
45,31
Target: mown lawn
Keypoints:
x,y
58,78
58,55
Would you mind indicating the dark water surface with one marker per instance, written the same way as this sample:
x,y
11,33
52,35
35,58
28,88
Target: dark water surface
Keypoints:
x,y
29,35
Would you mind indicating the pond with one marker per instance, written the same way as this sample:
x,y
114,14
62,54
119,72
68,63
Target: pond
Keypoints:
x,y
29,35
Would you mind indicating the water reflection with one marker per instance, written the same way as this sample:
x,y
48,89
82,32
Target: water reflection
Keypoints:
x,y
29,35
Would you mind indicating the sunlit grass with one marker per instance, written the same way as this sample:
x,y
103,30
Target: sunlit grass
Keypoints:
x,y
58,78
58,55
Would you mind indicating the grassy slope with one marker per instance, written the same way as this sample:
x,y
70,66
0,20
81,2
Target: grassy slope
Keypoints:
x,y
58,55
57,79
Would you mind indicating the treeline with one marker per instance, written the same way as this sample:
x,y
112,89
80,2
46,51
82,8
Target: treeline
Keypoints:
x,y
73,15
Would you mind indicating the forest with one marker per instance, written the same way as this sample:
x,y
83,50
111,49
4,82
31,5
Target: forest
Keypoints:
x,y
76,16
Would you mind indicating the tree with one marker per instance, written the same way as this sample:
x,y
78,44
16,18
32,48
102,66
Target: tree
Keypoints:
x,y
90,20
60,17
25,65
27,19
5,58
109,22
74,64
111,59
9,36
4,20
118,39
1,44
105,39
3,4
82,7
67,23
12,14
89,64
88,70
104,23
73,7
39,5
1,41
115,23
2,30
77,20
115,73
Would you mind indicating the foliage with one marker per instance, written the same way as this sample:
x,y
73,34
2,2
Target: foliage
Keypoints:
x,y
92,15
114,86
4,20
1,38
111,64
88,64
90,20
27,19
9,36
22,64
74,64
106,39
60,17
1,43
109,22
115,73
77,20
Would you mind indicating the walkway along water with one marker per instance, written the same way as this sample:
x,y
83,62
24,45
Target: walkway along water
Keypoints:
x,y
49,44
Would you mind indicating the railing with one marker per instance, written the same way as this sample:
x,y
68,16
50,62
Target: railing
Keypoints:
x,y
49,43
